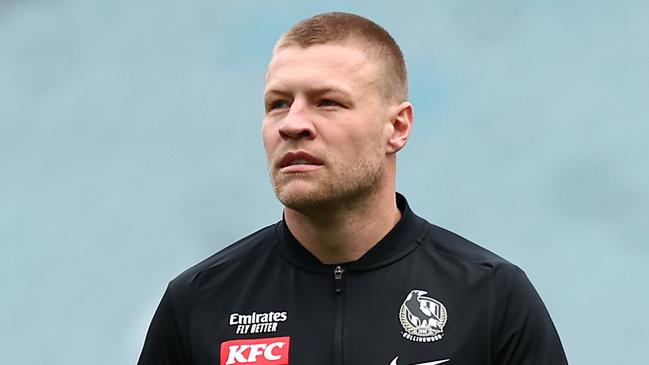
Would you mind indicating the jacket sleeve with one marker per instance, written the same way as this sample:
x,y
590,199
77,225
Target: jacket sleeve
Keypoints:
x,y
165,342
523,333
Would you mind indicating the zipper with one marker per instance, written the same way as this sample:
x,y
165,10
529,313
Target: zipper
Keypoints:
x,y
338,324
338,279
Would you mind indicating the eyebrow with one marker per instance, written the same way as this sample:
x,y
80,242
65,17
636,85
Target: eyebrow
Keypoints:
x,y
317,91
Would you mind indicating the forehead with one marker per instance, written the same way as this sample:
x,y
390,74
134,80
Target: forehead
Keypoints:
x,y
323,64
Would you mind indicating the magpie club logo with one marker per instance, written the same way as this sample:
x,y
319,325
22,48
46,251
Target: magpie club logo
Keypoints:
x,y
422,317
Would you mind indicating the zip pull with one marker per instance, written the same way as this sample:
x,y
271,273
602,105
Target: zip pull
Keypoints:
x,y
338,279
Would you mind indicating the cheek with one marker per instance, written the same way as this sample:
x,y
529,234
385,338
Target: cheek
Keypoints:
x,y
268,148
267,137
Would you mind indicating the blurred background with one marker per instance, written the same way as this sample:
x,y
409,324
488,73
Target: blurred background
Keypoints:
x,y
130,149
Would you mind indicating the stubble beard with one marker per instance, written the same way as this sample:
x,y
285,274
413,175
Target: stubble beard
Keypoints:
x,y
342,186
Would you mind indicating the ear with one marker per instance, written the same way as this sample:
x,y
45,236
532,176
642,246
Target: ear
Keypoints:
x,y
402,118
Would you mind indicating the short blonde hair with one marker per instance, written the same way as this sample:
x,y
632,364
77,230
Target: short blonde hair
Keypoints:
x,y
351,29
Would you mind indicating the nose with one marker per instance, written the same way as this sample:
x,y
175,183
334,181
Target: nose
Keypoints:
x,y
297,123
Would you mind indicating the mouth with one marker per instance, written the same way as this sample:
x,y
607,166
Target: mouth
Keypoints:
x,y
299,161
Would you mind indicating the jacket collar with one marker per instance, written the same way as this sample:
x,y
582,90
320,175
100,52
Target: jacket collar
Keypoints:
x,y
400,241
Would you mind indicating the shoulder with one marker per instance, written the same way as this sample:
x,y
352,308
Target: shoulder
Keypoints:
x,y
457,248
508,282
234,254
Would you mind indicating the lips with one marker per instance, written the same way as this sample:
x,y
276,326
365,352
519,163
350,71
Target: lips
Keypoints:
x,y
299,161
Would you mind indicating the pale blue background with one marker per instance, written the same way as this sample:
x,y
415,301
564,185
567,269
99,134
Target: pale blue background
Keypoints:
x,y
130,149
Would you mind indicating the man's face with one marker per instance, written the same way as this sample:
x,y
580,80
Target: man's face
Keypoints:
x,y
324,126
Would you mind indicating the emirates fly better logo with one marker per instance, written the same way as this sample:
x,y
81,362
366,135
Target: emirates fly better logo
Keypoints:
x,y
258,351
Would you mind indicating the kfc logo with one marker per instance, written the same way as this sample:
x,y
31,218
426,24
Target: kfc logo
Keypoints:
x,y
258,351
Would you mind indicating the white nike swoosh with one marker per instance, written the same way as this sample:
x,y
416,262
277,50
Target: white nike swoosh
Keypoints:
x,y
394,362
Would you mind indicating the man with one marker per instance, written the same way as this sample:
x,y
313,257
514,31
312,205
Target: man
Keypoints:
x,y
350,275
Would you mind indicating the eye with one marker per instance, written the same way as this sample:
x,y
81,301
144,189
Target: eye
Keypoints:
x,y
329,103
277,104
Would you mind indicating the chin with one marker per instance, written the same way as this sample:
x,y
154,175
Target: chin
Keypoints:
x,y
306,201
300,194
300,199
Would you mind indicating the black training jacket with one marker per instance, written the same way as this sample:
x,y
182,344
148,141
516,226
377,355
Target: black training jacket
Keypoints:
x,y
422,295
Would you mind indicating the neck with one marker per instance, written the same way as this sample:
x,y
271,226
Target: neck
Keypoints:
x,y
345,232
